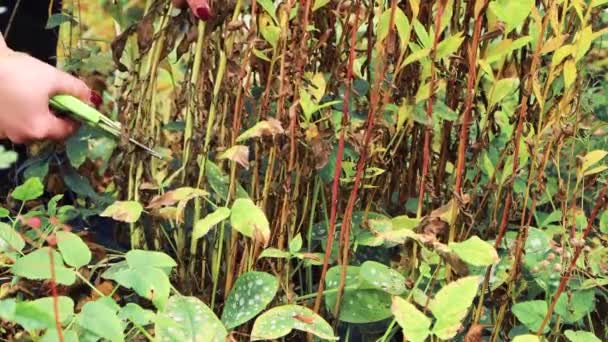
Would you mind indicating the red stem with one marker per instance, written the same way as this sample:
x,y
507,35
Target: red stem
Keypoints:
x,y
336,182
464,129
55,296
577,252
429,105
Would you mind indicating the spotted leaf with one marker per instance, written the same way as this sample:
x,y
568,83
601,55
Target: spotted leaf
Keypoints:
x,y
252,292
382,277
188,319
280,321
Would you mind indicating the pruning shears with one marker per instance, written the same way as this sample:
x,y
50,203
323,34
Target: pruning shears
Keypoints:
x,y
84,113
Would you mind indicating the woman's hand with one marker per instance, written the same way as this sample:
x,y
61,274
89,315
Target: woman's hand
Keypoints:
x,y
200,8
26,85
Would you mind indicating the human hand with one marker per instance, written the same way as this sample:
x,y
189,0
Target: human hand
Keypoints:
x,y
200,8
26,85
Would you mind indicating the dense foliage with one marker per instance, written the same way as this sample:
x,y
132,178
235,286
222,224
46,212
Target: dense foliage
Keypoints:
x,y
354,170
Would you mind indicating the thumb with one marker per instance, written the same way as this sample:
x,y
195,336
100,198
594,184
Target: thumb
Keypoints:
x,y
66,84
59,128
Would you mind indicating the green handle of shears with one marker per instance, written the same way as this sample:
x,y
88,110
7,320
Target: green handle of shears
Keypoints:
x,y
77,108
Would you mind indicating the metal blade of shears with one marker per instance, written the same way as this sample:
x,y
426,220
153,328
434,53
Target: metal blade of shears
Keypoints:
x,y
91,116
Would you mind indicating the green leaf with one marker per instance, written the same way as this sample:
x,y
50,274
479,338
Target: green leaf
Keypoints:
x,y
30,190
74,251
149,282
451,304
575,306
252,292
513,13
274,253
101,320
501,89
603,224
295,245
249,220
415,56
57,19
449,46
403,27
38,169
423,36
10,240
7,158
51,335
76,149
319,4
359,305
280,321
124,211
202,226
37,266
416,326
531,314
581,336
39,314
188,319
475,251
4,213
140,258
271,34
136,314
268,6
383,25
382,277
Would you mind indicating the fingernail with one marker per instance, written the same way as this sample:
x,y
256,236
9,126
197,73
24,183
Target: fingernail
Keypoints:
x,y
95,99
204,13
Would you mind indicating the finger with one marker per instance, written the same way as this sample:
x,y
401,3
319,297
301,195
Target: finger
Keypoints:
x,y
200,8
59,128
66,84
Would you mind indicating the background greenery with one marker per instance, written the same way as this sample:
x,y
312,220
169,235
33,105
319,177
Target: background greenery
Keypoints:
x,y
362,170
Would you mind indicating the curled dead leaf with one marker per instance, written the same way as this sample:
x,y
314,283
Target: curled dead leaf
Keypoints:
x,y
238,154
263,128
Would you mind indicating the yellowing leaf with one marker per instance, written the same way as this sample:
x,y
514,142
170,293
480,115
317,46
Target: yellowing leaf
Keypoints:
x,y
238,154
561,54
595,170
526,338
174,196
592,158
553,44
202,227
475,251
249,220
317,87
583,44
416,326
265,127
569,73
403,26
451,304
124,211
